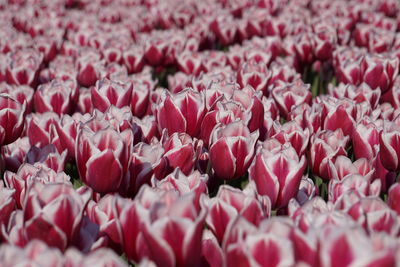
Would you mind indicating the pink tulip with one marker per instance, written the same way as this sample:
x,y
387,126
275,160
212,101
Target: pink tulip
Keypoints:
x,y
277,174
326,145
12,116
232,150
187,108
55,96
288,96
106,93
20,181
102,159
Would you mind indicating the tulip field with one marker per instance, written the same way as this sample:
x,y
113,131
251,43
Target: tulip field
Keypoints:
x,y
199,133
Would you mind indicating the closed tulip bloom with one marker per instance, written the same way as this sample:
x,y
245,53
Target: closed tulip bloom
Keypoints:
x,y
66,130
350,246
14,153
107,92
23,67
187,107
232,150
21,93
133,58
102,159
55,96
38,128
325,145
287,96
379,71
58,209
394,198
27,173
12,118
254,74
342,166
35,253
390,145
356,183
277,174
230,203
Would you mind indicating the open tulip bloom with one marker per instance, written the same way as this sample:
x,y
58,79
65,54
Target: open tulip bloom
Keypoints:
x,y
200,133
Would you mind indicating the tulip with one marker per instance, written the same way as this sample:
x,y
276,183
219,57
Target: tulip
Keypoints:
x,y
12,116
7,204
223,113
131,218
373,214
23,67
389,145
394,197
66,130
180,150
174,239
190,63
106,214
21,93
231,203
292,133
140,99
379,71
338,114
263,249
232,150
48,156
133,59
145,161
84,103
326,145
307,190
212,253
362,186
187,108
102,257
277,174
55,96
36,253
365,137
20,181
254,74
288,96
359,249
343,166
38,128
102,159
106,93
57,209
14,153
251,100
89,68
325,39
361,93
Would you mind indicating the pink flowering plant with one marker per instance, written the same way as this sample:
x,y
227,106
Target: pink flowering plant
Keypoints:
x,y
215,133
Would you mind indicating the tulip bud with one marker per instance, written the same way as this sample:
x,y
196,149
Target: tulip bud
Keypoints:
x,y
288,96
106,93
12,116
325,145
389,145
187,108
394,198
232,150
102,159
55,96
277,174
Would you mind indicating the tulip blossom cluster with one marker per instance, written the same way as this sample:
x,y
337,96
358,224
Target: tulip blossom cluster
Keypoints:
x,y
199,133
